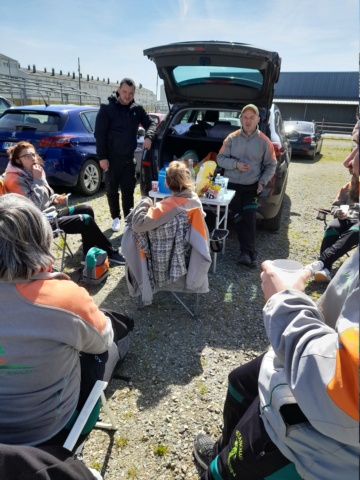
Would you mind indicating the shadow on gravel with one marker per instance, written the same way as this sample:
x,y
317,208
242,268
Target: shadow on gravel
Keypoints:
x,y
168,345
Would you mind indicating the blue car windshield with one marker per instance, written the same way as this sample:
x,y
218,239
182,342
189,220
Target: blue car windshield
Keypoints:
x,y
210,74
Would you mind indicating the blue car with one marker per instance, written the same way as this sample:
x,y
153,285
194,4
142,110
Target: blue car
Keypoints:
x,y
64,137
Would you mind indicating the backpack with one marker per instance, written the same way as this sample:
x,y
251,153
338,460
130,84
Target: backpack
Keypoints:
x,y
96,266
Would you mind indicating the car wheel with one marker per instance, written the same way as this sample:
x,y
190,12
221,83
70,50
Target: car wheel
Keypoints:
x,y
273,224
89,178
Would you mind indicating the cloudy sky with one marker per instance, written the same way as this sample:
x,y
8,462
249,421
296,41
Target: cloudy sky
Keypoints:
x,y
109,36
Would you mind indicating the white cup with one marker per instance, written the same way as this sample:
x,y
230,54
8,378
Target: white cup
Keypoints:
x,y
344,208
287,266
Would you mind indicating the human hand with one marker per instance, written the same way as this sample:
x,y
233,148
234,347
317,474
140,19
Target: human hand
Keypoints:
x,y
243,167
37,171
274,280
147,144
341,214
60,199
104,164
260,188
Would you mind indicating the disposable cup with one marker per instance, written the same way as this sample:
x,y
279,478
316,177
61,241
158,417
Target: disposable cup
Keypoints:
x,y
288,266
226,181
155,186
344,208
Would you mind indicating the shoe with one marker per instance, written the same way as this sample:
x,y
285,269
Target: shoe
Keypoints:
x,y
115,227
244,258
322,276
203,450
116,257
315,266
254,260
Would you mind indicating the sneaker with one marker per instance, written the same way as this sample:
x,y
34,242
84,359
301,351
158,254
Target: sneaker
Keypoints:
x,y
315,266
115,227
203,450
244,258
116,257
322,276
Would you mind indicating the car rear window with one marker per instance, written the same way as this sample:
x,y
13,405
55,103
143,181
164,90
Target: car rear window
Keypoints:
x,y
304,127
41,122
193,75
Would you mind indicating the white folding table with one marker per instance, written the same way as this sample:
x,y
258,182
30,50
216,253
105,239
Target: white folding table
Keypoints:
x,y
219,206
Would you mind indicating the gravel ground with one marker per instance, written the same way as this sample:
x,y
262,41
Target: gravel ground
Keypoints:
x,y
178,365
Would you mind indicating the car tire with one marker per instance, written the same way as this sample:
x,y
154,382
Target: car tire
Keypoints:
x,y
89,178
273,224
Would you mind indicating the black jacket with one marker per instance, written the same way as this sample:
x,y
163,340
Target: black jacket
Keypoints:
x,y
116,129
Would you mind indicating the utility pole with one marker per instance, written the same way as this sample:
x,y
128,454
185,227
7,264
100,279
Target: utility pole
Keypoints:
x,y
79,80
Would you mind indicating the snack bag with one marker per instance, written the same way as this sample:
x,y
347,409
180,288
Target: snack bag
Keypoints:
x,y
213,190
203,179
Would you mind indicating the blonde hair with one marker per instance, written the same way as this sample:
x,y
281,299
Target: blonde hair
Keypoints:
x,y
178,177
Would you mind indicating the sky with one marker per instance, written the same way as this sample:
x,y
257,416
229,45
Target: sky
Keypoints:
x,y
109,36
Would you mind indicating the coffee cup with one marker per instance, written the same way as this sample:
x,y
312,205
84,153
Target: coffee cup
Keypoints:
x,y
344,208
155,186
290,267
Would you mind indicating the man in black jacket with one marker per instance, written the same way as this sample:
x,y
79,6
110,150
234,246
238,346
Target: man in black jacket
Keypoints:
x,y
116,129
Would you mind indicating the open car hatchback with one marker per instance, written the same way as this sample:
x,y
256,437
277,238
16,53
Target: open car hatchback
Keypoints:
x,y
207,84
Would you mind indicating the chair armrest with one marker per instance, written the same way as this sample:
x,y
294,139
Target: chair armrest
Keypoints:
x,y
81,420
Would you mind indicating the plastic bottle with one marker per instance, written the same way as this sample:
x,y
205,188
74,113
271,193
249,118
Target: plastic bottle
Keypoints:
x,y
162,179
192,172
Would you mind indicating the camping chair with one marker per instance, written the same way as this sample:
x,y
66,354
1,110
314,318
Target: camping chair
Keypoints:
x,y
96,393
59,236
142,272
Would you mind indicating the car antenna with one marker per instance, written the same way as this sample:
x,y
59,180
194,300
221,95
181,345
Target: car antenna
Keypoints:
x,y
46,104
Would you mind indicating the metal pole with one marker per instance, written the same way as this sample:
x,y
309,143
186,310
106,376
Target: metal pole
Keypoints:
x,y
79,80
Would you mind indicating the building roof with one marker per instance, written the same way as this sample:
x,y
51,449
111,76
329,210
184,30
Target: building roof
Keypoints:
x,y
335,86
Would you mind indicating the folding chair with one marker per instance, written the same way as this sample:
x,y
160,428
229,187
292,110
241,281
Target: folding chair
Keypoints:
x,y
191,267
96,393
51,214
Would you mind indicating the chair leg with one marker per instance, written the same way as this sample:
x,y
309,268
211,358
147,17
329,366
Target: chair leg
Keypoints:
x,y
194,313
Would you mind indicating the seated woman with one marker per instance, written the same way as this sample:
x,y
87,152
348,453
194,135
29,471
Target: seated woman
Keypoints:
x,y
46,321
342,233
178,254
24,175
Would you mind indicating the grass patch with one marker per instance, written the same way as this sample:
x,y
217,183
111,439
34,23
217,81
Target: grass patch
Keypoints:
x,y
161,450
121,441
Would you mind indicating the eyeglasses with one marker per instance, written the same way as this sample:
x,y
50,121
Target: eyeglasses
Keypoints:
x,y
28,155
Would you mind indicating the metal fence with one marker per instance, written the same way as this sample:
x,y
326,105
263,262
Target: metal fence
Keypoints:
x,y
336,128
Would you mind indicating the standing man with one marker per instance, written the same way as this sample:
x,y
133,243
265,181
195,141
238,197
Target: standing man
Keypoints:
x,y
248,158
116,129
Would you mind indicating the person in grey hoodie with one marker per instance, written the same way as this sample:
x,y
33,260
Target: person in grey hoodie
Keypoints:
x,y
249,160
293,412
46,321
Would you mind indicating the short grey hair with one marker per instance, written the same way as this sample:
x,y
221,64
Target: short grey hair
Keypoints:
x,y
25,239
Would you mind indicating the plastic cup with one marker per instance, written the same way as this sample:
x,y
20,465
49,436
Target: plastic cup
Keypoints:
x,y
155,186
344,208
226,181
287,266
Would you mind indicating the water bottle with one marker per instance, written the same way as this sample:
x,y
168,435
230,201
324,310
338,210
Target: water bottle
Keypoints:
x,y
192,172
162,179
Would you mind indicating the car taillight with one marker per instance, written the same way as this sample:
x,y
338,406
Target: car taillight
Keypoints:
x,y
307,140
279,149
57,141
